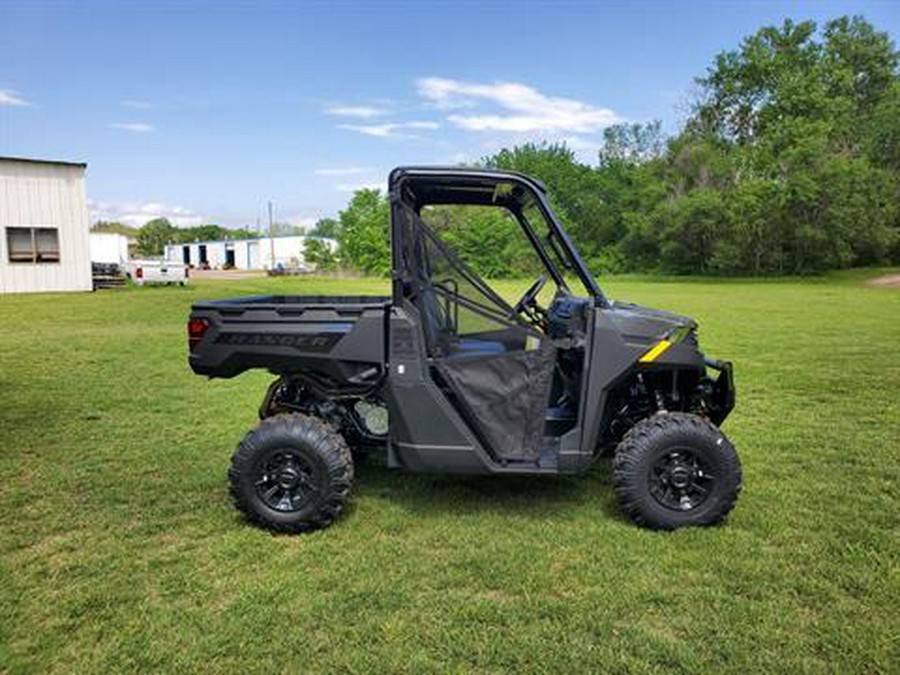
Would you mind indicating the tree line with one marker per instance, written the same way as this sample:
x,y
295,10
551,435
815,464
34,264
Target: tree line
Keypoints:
x,y
152,237
789,163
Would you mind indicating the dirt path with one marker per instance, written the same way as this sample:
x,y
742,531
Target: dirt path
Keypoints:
x,y
891,280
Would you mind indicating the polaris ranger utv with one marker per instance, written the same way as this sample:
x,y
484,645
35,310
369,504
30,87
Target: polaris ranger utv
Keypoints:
x,y
445,376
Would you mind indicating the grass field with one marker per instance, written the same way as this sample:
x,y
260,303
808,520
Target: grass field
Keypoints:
x,y
121,552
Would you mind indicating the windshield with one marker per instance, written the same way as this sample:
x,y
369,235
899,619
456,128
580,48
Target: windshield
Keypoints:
x,y
488,239
534,218
499,227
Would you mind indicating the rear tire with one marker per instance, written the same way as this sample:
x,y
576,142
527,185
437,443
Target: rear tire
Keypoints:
x,y
293,473
676,470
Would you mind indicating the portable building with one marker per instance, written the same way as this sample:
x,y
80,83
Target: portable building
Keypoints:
x,y
109,248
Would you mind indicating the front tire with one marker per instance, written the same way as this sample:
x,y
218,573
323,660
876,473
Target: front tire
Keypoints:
x,y
293,473
676,470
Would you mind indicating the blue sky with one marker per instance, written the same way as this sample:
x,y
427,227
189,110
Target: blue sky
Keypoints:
x,y
203,112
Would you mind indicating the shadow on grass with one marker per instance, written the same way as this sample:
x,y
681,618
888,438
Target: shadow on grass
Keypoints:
x,y
441,495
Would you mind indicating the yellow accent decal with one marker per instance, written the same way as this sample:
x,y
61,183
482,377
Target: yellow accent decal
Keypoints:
x,y
655,351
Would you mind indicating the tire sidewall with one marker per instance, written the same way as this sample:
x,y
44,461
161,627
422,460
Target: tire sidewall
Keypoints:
x,y
708,453
713,451
263,453
318,445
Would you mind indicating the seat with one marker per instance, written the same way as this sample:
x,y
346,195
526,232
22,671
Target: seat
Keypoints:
x,y
438,326
476,347
436,323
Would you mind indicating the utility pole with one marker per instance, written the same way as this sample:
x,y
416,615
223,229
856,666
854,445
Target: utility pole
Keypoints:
x,y
271,238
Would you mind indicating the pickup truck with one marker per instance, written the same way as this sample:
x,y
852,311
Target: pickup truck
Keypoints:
x,y
143,272
444,375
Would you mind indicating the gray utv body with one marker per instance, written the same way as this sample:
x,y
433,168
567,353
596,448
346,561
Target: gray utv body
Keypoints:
x,y
444,375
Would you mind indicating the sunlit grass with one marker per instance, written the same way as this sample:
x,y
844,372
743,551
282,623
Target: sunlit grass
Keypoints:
x,y
120,549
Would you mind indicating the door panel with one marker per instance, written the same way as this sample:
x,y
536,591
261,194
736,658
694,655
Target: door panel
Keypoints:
x,y
503,396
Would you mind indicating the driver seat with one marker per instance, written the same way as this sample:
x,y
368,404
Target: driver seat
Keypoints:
x,y
442,334
475,347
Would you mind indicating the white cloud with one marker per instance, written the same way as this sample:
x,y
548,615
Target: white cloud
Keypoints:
x,y
136,127
137,105
343,171
580,144
391,129
523,108
137,214
303,221
363,111
460,158
10,97
353,187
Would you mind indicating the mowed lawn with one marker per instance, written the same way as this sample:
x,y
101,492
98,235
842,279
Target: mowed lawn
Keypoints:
x,y
121,551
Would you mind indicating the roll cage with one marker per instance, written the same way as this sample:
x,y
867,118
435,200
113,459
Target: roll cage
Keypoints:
x,y
412,188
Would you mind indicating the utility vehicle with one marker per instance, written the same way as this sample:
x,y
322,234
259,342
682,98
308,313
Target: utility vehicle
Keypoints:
x,y
445,376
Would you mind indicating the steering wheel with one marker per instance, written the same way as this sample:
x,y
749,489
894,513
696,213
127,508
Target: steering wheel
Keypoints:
x,y
527,302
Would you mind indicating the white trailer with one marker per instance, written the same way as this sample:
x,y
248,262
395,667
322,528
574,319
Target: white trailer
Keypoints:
x,y
109,248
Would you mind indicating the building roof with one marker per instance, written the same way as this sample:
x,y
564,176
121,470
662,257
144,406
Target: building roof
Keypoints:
x,y
55,162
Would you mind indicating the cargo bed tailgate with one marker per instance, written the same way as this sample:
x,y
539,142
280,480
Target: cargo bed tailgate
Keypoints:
x,y
333,336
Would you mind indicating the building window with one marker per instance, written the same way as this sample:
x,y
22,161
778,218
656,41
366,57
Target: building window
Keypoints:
x,y
32,244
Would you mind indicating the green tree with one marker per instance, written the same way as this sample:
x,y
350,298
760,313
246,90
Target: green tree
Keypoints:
x,y
364,238
318,253
690,228
631,178
574,189
488,239
798,132
114,227
207,232
325,227
884,130
154,235
788,164
632,144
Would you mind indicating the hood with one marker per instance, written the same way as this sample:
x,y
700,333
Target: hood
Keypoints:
x,y
643,324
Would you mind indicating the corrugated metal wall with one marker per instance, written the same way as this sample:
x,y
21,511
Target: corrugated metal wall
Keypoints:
x,y
45,195
249,254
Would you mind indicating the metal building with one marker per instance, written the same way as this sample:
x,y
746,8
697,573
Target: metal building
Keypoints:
x,y
243,254
44,226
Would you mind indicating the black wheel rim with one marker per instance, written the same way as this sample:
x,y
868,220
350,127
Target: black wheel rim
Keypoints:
x,y
287,481
680,480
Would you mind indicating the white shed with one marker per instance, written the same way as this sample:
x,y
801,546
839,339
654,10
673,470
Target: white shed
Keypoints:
x,y
44,227
109,247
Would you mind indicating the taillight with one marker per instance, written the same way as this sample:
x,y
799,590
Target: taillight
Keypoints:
x,y
139,273
187,272
196,330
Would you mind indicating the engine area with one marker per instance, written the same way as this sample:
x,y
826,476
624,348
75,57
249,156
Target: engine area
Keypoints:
x,y
362,417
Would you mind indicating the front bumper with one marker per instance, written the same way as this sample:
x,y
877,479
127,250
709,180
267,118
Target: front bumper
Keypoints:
x,y
720,394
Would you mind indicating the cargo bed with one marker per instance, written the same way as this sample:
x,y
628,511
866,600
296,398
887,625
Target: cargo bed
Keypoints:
x,y
337,337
